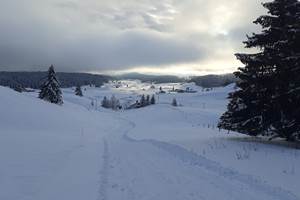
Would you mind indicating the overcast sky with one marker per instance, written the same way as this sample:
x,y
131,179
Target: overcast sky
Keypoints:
x,y
155,36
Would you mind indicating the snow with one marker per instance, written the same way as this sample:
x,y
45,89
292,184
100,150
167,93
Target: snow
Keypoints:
x,y
79,151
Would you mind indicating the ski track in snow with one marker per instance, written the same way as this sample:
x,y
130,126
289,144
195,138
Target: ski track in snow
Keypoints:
x,y
120,134
104,171
193,159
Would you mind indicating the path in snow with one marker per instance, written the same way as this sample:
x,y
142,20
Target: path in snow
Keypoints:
x,y
150,169
104,172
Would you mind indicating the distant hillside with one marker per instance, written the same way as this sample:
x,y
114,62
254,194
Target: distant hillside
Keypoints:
x,y
35,79
150,78
209,81
203,81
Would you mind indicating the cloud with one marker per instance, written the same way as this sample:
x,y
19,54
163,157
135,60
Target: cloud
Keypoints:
x,y
100,35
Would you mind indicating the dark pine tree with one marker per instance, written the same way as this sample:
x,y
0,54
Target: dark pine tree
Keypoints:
x,y
266,101
152,100
285,38
148,99
50,89
105,103
174,102
143,101
78,91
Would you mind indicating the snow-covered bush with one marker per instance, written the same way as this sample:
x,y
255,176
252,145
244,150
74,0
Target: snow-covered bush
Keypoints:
x,y
112,103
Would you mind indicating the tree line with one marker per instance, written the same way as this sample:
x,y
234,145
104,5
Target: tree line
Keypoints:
x,y
114,103
21,80
210,81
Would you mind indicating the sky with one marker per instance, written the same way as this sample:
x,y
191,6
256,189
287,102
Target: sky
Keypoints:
x,y
182,37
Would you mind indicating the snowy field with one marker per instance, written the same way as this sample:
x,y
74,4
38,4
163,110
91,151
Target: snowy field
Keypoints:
x,y
81,151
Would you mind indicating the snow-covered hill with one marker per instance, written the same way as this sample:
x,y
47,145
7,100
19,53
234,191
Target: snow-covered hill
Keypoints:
x,y
82,151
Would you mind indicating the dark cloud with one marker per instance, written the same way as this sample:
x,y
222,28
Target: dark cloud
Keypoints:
x,y
116,35
107,52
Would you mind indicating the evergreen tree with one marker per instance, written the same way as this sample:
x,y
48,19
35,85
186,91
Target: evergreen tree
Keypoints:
x,y
148,99
105,103
266,101
78,91
152,100
174,102
285,20
50,89
143,101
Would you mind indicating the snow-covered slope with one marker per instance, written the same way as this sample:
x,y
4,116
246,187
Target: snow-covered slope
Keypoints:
x,y
82,151
48,151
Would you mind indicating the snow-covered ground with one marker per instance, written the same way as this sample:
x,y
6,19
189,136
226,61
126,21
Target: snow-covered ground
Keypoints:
x,y
82,151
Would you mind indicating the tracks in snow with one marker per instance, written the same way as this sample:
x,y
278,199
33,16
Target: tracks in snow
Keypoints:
x,y
193,159
104,173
